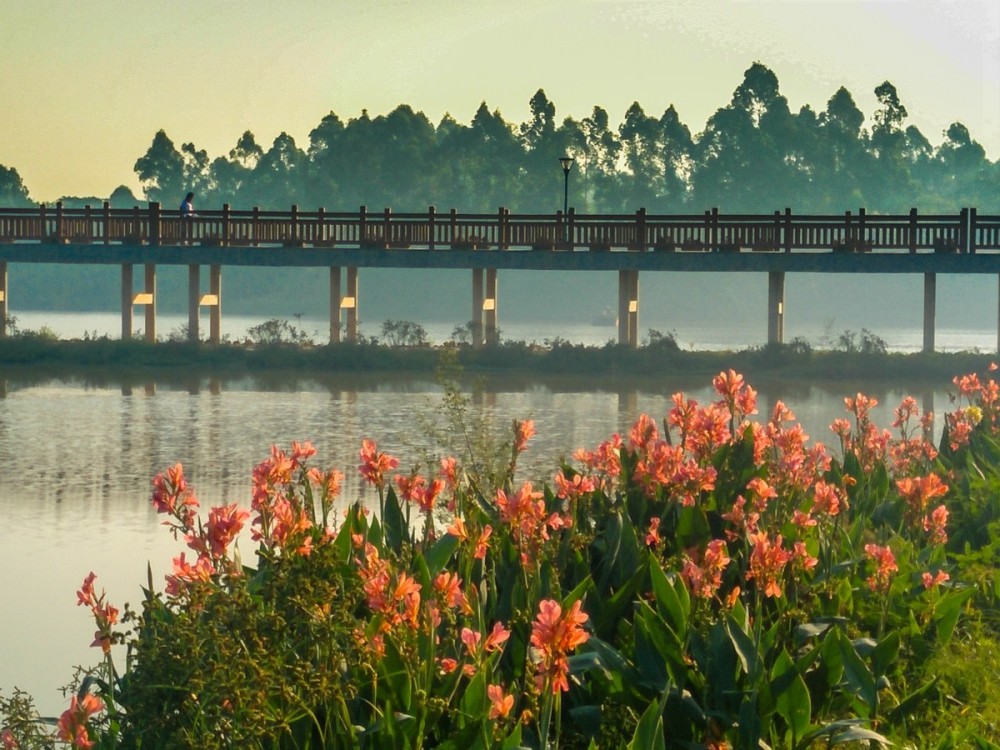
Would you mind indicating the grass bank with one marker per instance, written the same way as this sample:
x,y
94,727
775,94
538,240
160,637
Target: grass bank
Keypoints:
x,y
21,354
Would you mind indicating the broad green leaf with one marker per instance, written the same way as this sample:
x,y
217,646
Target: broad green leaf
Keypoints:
x,y
649,733
438,555
947,610
790,694
746,650
396,532
672,606
857,675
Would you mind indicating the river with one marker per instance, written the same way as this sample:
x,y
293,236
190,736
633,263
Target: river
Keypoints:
x,y
77,457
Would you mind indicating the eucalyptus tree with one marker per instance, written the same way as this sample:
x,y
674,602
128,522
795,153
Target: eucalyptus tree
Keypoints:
x,y
277,180
161,171
740,160
327,173
227,176
541,179
597,156
891,185
477,166
13,193
964,173
841,154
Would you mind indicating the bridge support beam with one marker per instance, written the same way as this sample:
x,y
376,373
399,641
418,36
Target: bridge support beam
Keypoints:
x,y
628,308
4,311
350,303
335,299
149,300
477,307
194,301
930,310
775,307
213,300
489,311
127,312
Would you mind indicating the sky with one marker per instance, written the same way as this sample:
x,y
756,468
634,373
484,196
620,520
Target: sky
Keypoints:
x,y
84,87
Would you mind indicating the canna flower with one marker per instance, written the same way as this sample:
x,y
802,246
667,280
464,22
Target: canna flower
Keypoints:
x,y
935,524
8,741
885,566
554,635
917,492
930,581
643,433
449,588
375,465
72,726
767,563
500,703
224,524
827,499
574,487
185,574
523,432
497,637
705,579
653,535
172,495
105,615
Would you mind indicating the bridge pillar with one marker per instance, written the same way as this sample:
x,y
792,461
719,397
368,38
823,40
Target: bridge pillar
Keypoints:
x,y
775,307
930,304
350,303
194,301
127,312
149,300
3,299
214,300
628,307
477,307
491,333
335,299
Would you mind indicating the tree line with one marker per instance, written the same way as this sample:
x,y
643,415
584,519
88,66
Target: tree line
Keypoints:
x,y
753,155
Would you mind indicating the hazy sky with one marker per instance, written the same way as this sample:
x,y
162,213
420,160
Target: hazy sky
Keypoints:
x,y
85,85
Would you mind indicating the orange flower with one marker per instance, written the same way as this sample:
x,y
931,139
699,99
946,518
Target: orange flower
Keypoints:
x,y
767,563
885,566
72,726
523,432
500,703
375,465
554,636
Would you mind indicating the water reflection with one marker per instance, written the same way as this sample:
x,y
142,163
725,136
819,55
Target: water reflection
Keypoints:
x,y
77,455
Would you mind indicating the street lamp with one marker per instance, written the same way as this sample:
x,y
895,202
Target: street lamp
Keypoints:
x,y
567,164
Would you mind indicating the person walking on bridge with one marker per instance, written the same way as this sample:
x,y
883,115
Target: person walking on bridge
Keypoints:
x,y
187,214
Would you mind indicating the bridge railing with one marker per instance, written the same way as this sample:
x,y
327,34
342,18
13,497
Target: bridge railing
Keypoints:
x,y
966,231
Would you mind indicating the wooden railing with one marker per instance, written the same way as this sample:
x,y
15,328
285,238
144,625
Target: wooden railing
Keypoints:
x,y
964,232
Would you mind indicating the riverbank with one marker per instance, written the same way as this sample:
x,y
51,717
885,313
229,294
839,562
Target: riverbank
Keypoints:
x,y
136,361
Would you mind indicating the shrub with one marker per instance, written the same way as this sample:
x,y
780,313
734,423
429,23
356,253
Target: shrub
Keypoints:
x,y
711,582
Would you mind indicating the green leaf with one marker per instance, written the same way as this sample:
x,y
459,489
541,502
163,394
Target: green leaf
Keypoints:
x,y
394,523
746,650
438,555
947,610
790,694
673,606
858,677
649,733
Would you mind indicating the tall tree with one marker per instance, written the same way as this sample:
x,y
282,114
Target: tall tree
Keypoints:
x,y
13,193
161,171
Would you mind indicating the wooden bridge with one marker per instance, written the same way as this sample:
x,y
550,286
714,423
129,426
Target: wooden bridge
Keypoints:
x,y
775,244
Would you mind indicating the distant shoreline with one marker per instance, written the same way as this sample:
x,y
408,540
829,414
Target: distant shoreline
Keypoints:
x,y
32,358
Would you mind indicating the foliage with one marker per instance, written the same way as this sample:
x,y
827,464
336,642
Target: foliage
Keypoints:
x,y
753,154
403,333
711,582
277,331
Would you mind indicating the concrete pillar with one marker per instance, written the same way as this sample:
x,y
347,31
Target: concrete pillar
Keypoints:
x,y
4,311
490,307
930,305
775,307
628,307
335,299
215,300
477,307
149,300
128,322
350,303
194,301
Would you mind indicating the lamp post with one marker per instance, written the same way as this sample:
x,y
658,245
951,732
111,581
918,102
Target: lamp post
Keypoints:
x,y
567,164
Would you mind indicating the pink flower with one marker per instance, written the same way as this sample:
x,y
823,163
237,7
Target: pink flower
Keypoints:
x,y
930,581
72,726
885,566
500,702
375,465
555,635
523,431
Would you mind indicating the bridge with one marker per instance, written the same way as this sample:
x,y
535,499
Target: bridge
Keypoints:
x,y
782,242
